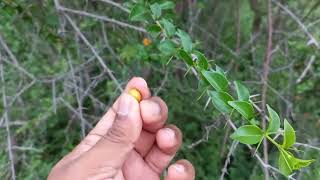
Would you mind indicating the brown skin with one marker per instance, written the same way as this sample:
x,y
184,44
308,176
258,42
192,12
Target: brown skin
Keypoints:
x,y
130,142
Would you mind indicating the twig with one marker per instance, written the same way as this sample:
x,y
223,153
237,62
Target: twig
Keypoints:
x,y
82,125
227,161
105,67
21,148
107,44
266,67
14,59
116,5
303,27
6,119
68,105
205,136
305,71
163,82
54,99
307,145
103,18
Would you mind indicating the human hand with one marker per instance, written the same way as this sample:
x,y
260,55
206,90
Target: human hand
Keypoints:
x,y
130,142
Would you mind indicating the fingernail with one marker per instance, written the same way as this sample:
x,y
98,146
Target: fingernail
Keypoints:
x,y
179,168
169,133
124,107
156,108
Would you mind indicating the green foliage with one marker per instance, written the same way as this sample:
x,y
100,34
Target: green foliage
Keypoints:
x,y
242,91
220,101
274,121
40,38
244,108
223,101
289,137
218,81
248,134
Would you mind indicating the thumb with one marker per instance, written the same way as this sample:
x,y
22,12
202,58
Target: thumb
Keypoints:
x,y
114,147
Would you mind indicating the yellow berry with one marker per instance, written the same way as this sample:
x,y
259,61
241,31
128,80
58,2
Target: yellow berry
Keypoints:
x,y
136,94
146,42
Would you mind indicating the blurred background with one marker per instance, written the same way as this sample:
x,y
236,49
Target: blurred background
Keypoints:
x,y
61,66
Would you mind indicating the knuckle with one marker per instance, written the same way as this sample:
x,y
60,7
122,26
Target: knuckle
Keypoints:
x,y
117,134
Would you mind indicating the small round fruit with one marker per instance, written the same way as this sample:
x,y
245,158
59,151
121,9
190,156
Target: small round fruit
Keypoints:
x,y
146,41
136,94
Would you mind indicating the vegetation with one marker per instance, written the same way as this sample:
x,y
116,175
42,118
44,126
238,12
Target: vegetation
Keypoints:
x,y
62,63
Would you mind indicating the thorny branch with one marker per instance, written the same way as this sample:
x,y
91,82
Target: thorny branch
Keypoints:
x,y
103,18
305,71
105,67
116,5
266,67
7,121
303,27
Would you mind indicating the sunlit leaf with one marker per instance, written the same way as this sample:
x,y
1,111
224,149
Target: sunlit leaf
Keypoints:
x,y
242,91
248,134
218,81
274,120
244,108
289,136
185,40
220,70
169,28
285,165
220,101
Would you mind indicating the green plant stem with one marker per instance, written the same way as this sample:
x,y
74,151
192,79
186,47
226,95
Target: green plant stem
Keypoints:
x,y
273,142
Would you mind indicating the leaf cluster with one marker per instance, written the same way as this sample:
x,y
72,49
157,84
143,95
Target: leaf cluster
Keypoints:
x,y
176,43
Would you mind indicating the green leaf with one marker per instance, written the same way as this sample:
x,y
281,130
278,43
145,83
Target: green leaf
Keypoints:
x,y
242,91
138,13
289,136
220,70
167,5
218,81
244,108
185,40
156,10
300,163
185,57
285,164
248,134
288,163
274,120
202,60
220,100
169,28
167,47
154,30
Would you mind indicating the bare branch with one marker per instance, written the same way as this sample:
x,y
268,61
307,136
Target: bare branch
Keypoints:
x,y
303,27
116,5
103,18
206,135
227,161
15,62
306,70
7,121
79,101
307,145
266,67
105,67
